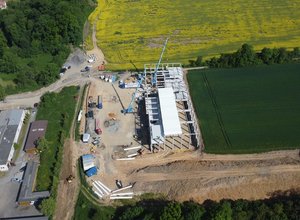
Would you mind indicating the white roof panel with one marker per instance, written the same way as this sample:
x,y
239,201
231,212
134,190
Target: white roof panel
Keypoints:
x,y
88,165
169,113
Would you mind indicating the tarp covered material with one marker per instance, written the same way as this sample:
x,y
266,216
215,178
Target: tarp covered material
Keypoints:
x,y
169,113
87,161
91,172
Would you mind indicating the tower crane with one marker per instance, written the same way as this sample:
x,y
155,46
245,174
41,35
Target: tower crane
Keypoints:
x,y
154,75
140,80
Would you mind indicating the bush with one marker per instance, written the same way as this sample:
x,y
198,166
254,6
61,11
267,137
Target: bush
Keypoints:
x,y
48,206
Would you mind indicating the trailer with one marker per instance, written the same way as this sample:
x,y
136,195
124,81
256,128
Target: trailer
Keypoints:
x,y
100,105
131,85
79,116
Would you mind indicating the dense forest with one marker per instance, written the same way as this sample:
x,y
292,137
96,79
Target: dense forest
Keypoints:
x,y
281,207
36,37
246,56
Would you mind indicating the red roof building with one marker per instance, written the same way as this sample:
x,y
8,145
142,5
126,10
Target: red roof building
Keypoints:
x,y
36,131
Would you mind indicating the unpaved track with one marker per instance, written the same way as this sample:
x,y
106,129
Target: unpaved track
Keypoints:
x,y
196,176
158,176
96,50
67,192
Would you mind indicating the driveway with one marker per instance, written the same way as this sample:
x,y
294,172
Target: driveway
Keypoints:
x,y
9,190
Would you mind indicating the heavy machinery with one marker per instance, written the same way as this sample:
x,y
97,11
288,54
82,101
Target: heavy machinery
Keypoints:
x,y
70,178
130,108
154,75
141,78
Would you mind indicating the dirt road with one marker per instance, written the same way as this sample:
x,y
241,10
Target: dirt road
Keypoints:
x,y
96,50
190,175
67,192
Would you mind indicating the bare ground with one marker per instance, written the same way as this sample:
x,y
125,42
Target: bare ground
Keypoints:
x,y
191,174
217,177
67,192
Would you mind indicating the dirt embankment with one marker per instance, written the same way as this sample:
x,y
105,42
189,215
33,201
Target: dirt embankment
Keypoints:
x,y
218,177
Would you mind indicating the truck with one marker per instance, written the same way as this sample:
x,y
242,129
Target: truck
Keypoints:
x,y
97,127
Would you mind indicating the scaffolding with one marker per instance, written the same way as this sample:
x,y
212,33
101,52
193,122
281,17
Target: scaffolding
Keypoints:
x,y
170,75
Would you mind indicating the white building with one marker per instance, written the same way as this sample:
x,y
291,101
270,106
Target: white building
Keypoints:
x,y
3,4
10,127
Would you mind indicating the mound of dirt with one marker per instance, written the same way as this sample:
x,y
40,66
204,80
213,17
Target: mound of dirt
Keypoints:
x,y
200,180
186,166
76,58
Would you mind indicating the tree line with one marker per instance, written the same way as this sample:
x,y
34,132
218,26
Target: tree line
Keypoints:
x,y
246,56
277,208
283,206
35,39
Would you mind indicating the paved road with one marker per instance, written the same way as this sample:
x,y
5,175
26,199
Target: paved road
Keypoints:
x,y
9,190
28,99
72,76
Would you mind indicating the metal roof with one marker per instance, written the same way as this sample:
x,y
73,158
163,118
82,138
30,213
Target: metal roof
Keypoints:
x,y
169,112
30,218
36,131
26,191
9,121
86,137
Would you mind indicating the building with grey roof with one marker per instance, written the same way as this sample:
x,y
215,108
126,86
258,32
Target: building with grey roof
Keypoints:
x,y
27,195
11,122
29,218
37,130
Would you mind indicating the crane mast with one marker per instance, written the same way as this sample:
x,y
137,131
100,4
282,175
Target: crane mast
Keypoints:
x,y
154,75
154,80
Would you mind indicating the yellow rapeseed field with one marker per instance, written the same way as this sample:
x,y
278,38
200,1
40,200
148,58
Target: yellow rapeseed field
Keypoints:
x,y
135,30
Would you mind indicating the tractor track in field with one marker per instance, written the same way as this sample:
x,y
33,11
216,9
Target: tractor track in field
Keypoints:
x,y
217,109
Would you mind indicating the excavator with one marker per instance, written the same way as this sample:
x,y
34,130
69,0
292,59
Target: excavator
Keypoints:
x,y
70,178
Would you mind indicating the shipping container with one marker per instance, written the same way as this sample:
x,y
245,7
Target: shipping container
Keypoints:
x,y
91,172
100,102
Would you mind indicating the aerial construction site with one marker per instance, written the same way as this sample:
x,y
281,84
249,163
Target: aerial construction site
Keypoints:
x,y
132,118
140,134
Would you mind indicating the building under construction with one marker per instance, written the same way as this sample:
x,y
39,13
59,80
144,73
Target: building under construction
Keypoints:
x,y
172,123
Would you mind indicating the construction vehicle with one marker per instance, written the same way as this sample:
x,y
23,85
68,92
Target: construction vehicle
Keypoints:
x,y
70,178
93,149
119,184
142,77
97,127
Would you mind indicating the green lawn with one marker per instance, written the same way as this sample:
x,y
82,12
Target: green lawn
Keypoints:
x,y
58,109
249,109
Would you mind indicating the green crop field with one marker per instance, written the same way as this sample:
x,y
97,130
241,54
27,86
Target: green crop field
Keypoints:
x,y
135,30
248,110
